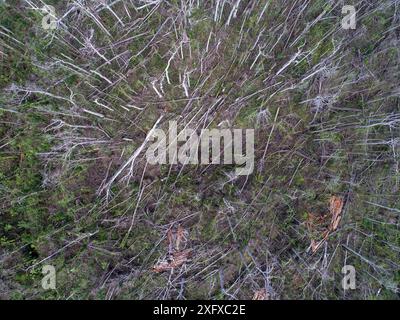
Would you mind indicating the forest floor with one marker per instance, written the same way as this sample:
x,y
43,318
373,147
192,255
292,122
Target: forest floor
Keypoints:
x,y
78,98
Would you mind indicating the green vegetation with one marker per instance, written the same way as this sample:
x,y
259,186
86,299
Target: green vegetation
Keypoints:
x,y
76,102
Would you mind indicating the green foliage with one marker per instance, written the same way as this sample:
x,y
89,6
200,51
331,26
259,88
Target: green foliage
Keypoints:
x,y
326,125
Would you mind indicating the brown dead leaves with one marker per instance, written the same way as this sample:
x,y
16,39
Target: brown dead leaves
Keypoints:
x,y
335,208
332,220
261,295
175,260
177,255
